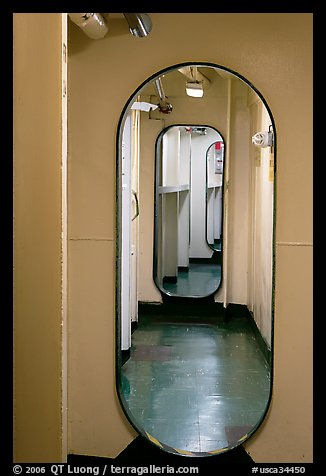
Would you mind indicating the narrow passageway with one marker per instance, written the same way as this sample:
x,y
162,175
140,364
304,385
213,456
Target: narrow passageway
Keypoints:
x,y
196,383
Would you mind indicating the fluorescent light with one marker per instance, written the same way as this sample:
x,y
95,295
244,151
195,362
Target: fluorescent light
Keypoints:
x,y
195,89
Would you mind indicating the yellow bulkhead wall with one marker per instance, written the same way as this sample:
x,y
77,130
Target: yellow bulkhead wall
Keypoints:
x,y
274,52
37,109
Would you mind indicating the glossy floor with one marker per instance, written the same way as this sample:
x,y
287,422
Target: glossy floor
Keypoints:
x,y
196,384
202,279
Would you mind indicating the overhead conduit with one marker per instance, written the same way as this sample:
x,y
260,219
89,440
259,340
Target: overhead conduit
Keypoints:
x,y
164,105
192,73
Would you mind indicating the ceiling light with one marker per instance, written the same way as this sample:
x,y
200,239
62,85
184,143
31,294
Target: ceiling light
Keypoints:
x,y
195,89
92,24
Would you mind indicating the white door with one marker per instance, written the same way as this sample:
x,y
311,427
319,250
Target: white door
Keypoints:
x,y
125,234
134,237
129,232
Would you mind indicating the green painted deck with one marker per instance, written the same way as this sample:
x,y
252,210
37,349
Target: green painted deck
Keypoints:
x,y
197,384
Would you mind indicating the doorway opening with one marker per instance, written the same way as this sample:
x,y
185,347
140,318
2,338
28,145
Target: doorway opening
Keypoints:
x,y
195,251
188,211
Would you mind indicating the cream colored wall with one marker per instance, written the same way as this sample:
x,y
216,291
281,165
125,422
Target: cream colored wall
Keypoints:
x,y
37,237
260,283
274,52
238,200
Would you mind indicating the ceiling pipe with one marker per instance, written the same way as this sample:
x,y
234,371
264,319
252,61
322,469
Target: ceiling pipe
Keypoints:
x,y
164,105
192,73
140,24
92,24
